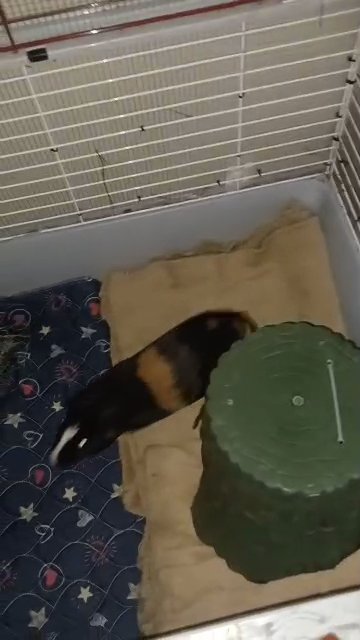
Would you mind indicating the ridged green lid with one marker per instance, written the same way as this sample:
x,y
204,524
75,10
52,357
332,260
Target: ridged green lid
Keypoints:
x,y
285,407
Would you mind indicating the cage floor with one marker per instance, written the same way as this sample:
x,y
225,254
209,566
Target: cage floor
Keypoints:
x,y
68,548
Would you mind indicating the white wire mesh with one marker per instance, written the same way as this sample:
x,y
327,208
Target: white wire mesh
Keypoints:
x,y
346,170
25,8
38,19
4,40
28,9
150,120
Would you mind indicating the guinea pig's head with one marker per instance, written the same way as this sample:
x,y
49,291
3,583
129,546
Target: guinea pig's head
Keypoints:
x,y
91,425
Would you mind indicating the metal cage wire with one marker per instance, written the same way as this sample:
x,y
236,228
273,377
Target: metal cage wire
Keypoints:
x,y
216,106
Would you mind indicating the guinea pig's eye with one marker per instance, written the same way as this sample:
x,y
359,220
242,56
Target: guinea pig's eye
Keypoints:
x,y
82,442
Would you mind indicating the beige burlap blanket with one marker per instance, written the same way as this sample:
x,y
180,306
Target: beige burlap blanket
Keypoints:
x,y
280,273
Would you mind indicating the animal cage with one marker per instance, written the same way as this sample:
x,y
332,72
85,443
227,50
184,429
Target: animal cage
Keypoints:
x,y
132,129
226,98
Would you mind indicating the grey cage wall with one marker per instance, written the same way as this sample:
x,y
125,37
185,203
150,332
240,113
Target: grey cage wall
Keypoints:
x,y
197,107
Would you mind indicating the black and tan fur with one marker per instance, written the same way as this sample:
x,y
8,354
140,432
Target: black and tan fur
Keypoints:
x,y
167,375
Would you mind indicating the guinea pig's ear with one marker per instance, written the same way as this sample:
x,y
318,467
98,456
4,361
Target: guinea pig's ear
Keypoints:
x,y
99,441
112,435
109,419
111,432
107,428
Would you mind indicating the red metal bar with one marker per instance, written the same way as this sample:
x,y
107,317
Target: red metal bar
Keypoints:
x,y
5,23
130,25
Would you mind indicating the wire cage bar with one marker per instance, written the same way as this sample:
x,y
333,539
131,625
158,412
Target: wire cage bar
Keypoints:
x,y
29,23
121,125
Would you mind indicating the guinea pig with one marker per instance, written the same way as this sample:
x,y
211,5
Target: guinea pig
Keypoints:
x,y
167,375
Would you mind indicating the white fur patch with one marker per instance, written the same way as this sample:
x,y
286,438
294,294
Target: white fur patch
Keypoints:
x,y
82,443
68,434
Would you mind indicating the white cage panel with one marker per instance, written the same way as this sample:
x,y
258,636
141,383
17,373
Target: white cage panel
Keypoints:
x,y
346,171
208,107
37,19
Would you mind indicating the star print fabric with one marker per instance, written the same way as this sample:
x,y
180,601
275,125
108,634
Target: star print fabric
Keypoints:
x,y
68,549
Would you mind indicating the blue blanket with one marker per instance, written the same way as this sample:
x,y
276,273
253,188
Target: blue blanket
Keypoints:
x,y
68,548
